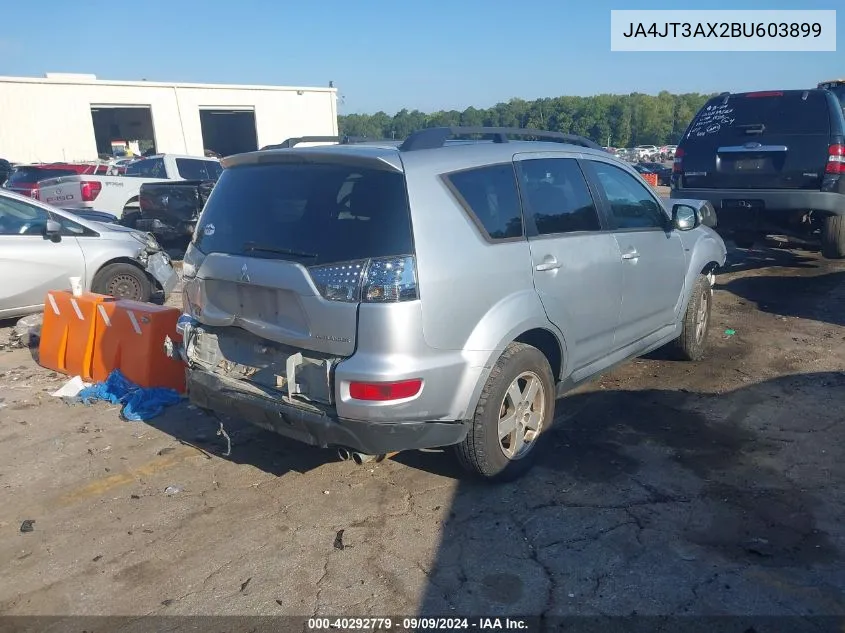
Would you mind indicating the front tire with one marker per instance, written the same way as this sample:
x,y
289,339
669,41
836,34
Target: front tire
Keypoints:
x,y
515,409
692,343
123,281
833,237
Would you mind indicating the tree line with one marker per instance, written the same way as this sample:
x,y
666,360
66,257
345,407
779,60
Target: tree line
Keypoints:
x,y
607,119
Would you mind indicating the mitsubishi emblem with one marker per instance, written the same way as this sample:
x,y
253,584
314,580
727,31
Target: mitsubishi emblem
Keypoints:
x,y
244,274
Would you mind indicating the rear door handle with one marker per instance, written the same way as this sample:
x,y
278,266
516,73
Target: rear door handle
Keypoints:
x,y
549,263
632,254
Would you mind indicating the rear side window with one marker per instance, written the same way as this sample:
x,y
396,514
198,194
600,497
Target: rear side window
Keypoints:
x,y
312,213
195,169
557,196
490,196
148,168
745,117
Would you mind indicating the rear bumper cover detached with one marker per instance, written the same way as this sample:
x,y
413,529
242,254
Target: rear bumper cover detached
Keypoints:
x,y
210,391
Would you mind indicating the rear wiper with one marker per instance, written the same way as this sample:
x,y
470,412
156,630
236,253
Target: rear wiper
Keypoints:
x,y
254,247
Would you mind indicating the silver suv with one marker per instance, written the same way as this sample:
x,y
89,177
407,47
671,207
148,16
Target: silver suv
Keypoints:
x,y
378,297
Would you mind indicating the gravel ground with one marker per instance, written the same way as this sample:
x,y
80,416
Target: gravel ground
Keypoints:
x,y
666,489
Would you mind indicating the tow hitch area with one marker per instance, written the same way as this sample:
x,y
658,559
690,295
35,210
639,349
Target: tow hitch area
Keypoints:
x,y
242,356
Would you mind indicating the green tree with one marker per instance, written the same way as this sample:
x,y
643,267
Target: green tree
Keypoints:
x,y
633,119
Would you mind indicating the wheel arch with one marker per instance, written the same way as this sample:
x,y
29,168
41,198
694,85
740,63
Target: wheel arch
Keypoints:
x,y
542,335
126,260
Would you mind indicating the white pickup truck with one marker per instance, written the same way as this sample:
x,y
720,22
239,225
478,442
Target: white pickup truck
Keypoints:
x,y
119,194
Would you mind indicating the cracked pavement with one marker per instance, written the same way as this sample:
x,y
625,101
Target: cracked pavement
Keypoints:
x,y
665,488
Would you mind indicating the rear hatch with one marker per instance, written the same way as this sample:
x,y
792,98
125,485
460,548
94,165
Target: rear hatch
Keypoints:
x,y
758,140
287,247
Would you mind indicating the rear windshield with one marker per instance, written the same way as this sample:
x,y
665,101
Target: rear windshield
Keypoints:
x,y
742,117
311,213
33,174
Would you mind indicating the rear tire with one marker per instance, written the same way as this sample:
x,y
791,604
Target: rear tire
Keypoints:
x,y
123,281
692,343
515,409
833,237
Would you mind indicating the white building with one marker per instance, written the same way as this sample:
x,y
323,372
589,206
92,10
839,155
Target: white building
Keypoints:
x,y
64,117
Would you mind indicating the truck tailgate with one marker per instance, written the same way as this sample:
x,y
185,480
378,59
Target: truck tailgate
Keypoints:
x,y
65,192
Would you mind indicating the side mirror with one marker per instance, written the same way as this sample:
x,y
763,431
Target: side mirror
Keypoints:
x,y
53,230
684,217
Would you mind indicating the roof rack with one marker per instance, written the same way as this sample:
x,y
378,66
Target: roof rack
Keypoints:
x,y
434,137
296,140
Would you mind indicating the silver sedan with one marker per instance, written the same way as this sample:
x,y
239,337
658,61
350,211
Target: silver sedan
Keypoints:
x,y
42,247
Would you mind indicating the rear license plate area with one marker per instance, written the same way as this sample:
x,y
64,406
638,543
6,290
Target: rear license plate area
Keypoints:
x,y
240,355
751,164
748,205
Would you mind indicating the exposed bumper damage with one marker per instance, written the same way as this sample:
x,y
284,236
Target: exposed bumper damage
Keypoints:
x,y
159,267
290,392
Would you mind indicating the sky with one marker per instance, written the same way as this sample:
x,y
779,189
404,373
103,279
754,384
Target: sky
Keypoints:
x,y
386,56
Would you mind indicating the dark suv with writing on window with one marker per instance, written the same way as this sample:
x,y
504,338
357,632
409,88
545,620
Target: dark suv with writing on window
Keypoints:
x,y
771,163
378,297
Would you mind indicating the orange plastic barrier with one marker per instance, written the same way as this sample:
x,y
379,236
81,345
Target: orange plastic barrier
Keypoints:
x,y
650,179
67,334
130,336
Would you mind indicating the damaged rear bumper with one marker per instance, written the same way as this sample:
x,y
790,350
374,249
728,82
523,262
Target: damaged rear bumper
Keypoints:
x,y
159,266
211,391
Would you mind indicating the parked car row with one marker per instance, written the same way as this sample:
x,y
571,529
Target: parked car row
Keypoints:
x,y
420,294
121,195
664,172
643,153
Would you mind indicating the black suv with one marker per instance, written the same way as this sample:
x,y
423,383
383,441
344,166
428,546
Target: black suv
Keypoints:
x,y
771,163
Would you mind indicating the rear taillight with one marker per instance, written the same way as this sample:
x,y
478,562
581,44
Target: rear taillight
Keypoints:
x,y
765,93
34,192
835,160
678,162
90,190
379,280
382,391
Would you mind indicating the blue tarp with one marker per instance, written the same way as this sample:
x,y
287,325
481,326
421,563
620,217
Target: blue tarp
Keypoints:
x,y
139,403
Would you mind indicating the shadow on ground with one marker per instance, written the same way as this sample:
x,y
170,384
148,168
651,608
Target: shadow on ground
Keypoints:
x,y
741,259
250,445
659,502
818,297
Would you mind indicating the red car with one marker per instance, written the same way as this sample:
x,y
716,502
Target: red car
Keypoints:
x,y
24,179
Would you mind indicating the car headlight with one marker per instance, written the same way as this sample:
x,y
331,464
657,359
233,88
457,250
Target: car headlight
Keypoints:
x,y
148,240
